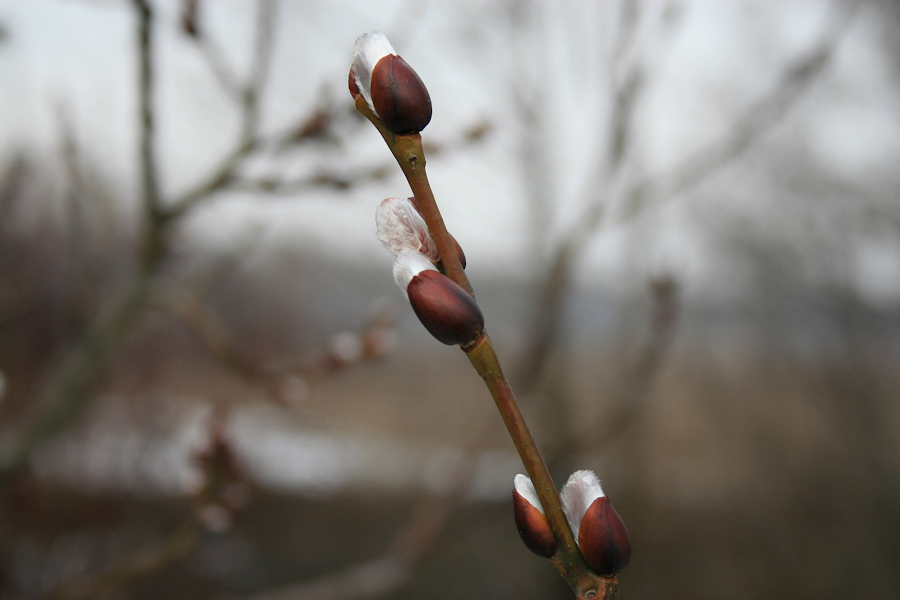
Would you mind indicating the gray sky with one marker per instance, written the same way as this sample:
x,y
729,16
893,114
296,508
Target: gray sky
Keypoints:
x,y
76,57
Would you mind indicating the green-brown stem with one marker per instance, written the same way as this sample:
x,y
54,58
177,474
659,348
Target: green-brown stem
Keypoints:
x,y
407,149
568,559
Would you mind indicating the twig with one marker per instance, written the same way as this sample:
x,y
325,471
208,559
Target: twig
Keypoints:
x,y
68,390
407,150
176,546
260,66
150,184
248,138
635,385
304,184
215,60
361,580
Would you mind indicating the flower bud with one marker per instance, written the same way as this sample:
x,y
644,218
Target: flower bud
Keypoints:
x,y
351,83
532,523
599,530
603,538
401,229
459,251
399,96
392,89
446,310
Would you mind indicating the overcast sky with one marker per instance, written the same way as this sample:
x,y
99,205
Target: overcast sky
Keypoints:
x,y
76,57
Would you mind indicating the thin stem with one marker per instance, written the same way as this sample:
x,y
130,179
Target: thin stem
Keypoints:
x,y
407,149
145,93
259,70
248,138
568,559
178,545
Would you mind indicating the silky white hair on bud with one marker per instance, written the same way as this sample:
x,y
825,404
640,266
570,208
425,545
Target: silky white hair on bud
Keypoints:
x,y
525,487
408,265
401,228
577,495
367,51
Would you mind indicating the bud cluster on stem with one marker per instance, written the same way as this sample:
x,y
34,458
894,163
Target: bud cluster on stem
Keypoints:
x,y
446,310
429,270
598,529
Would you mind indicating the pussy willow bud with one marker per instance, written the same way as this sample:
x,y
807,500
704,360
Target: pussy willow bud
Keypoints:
x,y
446,310
399,96
392,89
532,523
401,229
599,530
459,251
351,83
603,538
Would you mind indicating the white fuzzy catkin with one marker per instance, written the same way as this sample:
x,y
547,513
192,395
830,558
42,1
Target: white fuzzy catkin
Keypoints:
x,y
367,51
401,228
525,487
407,266
577,495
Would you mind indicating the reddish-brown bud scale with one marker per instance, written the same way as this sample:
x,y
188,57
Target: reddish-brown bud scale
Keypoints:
x,y
446,310
399,96
459,251
533,526
603,538
351,83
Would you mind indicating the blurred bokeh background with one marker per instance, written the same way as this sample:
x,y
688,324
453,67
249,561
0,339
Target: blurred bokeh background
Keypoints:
x,y
682,225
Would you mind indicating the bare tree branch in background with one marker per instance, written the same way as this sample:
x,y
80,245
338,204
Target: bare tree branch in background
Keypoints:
x,y
410,545
220,494
69,386
72,384
611,152
748,128
758,119
629,399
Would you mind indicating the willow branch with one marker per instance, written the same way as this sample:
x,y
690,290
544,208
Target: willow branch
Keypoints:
x,y
408,151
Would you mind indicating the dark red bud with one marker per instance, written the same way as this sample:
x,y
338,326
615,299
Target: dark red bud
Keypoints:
x,y
533,526
399,96
446,310
459,251
603,538
351,83
189,18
